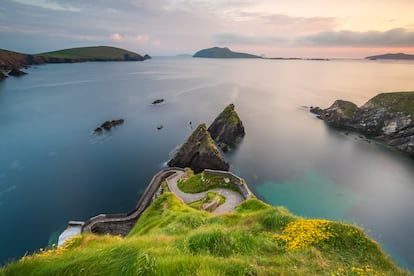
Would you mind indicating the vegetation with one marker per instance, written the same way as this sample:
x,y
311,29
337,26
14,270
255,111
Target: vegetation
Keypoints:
x,y
210,197
93,53
172,238
395,101
203,182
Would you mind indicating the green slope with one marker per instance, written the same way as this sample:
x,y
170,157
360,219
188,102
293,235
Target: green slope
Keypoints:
x,y
394,101
96,53
171,238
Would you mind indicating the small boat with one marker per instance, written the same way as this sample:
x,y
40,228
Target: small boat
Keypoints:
x,y
160,127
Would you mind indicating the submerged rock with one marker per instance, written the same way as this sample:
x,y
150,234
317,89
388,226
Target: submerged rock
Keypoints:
x,y
17,73
108,125
158,101
199,152
388,117
227,129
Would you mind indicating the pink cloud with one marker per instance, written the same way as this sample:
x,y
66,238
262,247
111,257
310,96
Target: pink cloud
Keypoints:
x,y
116,37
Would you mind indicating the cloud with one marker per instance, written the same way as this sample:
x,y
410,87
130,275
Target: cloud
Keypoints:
x,y
142,38
392,38
243,39
116,37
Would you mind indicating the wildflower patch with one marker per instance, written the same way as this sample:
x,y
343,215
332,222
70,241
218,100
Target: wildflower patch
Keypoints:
x,y
303,233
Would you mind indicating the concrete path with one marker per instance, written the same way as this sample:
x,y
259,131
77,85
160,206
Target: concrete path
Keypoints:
x,y
232,198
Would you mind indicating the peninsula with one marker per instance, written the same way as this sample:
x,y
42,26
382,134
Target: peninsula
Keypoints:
x,y
388,117
13,60
169,235
217,52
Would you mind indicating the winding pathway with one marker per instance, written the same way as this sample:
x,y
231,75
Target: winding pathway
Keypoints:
x,y
232,198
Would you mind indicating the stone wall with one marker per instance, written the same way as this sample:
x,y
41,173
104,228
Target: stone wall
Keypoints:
x,y
238,182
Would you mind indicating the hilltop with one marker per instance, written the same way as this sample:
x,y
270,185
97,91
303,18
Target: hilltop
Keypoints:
x,y
10,59
173,238
392,56
217,52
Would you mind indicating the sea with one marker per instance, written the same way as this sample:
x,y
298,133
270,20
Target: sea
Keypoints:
x,y
53,168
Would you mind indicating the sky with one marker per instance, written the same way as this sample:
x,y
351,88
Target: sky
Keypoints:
x,y
273,28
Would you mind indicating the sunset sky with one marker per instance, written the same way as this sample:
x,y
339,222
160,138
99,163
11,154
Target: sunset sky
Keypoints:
x,y
275,28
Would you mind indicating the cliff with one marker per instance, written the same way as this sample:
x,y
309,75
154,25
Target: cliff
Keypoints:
x,y
388,117
217,52
227,129
13,60
199,152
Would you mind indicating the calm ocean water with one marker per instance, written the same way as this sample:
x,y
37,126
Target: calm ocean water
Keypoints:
x,y
53,169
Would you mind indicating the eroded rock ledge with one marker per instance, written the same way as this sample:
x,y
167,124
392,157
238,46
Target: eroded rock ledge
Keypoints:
x,y
199,152
227,130
388,117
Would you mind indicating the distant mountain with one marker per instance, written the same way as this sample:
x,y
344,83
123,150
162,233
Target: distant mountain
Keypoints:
x,y
392,56
10,59
217,52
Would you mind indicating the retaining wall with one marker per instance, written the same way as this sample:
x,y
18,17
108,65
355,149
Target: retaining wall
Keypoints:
x,y
238,181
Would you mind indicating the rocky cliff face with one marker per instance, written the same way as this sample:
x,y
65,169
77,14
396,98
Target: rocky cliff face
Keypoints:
x,y
388,117
199,152
227,129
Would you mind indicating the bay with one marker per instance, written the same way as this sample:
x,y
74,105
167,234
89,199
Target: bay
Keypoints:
x,y
54,169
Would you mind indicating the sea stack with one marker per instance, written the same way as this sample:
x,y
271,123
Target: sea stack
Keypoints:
x,y
16,72
199,152
388,117
227,129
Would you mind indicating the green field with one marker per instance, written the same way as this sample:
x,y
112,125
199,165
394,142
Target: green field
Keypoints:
x,y
395,101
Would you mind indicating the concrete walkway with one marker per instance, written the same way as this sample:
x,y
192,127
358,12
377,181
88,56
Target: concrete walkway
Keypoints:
x,y
232,198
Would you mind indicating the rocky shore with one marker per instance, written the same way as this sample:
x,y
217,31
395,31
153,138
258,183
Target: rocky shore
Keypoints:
x,y
388,117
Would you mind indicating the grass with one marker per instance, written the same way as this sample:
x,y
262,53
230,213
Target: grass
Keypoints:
x,y
203,182
91,53
396,101
172,238
210,197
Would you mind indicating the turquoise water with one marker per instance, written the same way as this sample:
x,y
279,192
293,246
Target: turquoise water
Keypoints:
x,y
54,169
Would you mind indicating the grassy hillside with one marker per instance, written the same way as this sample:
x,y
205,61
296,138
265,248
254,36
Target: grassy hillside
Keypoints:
x,y
395,101
93,53
172,238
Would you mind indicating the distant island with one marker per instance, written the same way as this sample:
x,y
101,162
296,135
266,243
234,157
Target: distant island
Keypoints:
x,y
392,56
217,52
13,60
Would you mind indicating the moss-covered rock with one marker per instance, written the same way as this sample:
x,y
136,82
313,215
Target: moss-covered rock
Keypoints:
x,y
387,117
199,152
227,129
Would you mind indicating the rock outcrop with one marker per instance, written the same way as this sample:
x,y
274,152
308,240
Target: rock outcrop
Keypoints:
x,y
388,117
108,125
2,76
16,72
199,152
227,129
